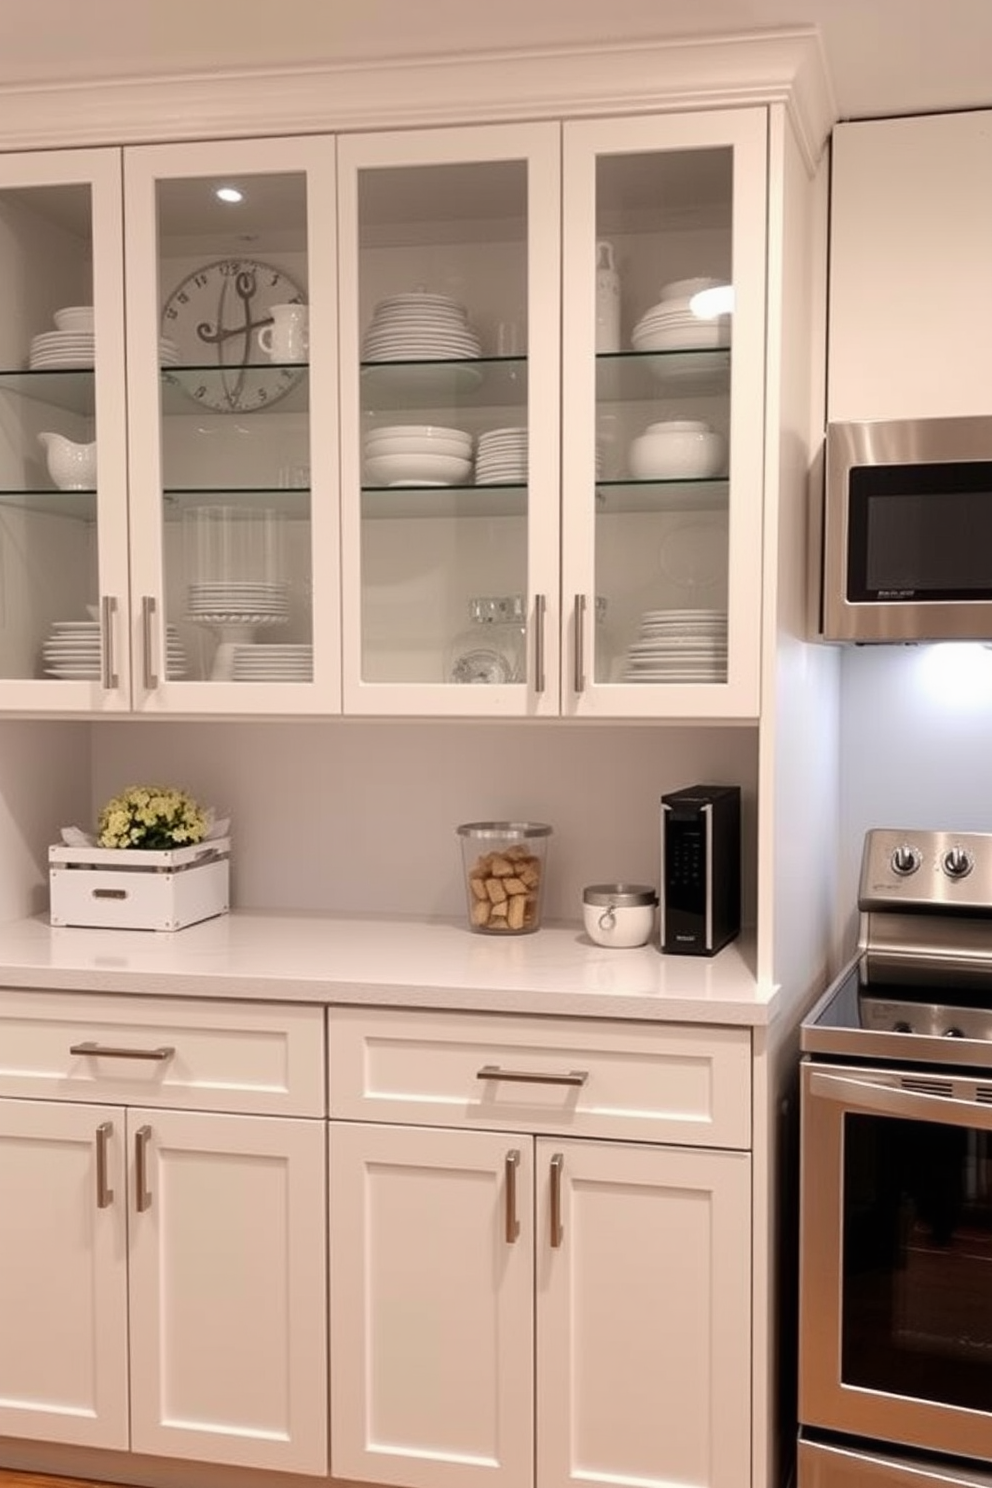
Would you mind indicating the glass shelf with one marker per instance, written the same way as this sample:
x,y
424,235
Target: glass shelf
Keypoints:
x,y
292,502
80,506
444,501
69,388
484,383
274,387
616,496
633,376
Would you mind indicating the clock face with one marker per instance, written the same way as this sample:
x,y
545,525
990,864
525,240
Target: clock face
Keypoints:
x,y
214,317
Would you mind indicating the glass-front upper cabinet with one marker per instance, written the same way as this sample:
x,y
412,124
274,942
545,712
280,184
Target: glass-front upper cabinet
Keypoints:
x,y
231,325
663,414
449,246
63,476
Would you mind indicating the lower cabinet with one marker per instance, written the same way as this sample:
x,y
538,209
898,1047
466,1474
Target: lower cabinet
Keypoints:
x,y
513,1308
162,1271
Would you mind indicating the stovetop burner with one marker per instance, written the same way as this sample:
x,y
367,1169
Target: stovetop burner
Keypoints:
x,y
920,988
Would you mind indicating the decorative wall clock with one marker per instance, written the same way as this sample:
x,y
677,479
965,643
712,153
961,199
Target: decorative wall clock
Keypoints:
x,y
213,316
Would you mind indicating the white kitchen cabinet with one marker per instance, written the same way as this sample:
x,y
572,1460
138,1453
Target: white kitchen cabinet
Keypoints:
x,y
455,578
517,1296
164,1269
910,247
464,1262
64,636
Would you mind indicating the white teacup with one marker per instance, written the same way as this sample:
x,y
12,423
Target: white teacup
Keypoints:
x,y
287,339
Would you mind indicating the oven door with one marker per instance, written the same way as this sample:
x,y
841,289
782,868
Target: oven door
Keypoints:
x,y
896,1257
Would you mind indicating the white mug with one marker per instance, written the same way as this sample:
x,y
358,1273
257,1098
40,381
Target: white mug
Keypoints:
x,y
287,339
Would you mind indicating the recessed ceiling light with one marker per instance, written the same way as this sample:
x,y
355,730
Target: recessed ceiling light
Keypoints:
x,y
229,194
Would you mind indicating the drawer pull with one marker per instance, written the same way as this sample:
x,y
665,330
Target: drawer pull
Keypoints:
x,y
557,1229
531,1077
107,1051
142,1198
510,1165
104,1192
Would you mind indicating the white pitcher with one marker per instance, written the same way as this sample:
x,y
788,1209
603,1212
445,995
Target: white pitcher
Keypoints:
x,y
72,466
287,339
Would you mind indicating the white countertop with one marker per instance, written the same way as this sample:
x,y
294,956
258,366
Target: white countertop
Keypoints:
x,y
393,962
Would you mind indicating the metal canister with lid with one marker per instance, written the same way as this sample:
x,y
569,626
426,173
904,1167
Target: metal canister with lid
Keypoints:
x,y
619,914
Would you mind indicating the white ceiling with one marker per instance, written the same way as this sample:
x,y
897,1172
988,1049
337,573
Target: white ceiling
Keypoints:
x,y
884,56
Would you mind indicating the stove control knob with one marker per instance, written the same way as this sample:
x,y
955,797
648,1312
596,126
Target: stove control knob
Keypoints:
x,y
953,1033
905,859
956,863
902,1027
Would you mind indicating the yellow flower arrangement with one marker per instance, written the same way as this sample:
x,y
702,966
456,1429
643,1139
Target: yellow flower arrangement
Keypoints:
x,y
152,817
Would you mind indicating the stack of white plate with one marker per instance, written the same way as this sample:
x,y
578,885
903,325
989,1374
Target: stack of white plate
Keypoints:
x,y
168,352
265,663
72,650
672,325
61,349
679,646
419,327
233,602
417,455
501,457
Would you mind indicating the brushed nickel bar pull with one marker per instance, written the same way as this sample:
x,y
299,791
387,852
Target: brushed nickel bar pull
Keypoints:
x,y
104,1192
142,1198
108,1051
109,679
557,1229
510,1165
149,677
579,677
540,616
531,1077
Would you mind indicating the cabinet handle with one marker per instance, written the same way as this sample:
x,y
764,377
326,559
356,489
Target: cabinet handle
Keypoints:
x,y
579,676
142,1198
540,614
557,1229
510,1165
104,1192
107,1051
532,1077
149,678
108,661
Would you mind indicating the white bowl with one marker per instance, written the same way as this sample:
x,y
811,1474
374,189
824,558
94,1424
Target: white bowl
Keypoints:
x,y
420,431
677,454
403,444
679,426
74,318
416,470
679,289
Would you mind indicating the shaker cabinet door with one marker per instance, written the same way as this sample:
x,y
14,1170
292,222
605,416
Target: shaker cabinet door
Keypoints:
x,y
663,414
643,1315
64,633
63,1274
232,334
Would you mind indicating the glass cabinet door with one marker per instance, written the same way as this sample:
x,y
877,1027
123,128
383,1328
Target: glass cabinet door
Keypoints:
x,y
63,511
234,487
663,414
450,272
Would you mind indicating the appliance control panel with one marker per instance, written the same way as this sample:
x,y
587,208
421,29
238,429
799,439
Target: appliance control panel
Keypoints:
x,y
903,869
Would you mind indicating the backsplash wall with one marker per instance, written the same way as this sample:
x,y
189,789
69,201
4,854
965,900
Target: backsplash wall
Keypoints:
x,y
348,816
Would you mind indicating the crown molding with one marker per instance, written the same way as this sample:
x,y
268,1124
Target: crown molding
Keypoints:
x,y
762,67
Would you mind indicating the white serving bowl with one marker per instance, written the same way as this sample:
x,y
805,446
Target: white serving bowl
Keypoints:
x,y
74,318
417,469
403,444
684,289
677,454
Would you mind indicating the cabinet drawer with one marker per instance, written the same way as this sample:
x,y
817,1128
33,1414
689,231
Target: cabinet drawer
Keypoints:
x,y
187,1054
642,1082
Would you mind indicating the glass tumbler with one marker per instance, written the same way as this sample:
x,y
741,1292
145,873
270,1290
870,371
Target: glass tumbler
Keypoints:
x,y
503,865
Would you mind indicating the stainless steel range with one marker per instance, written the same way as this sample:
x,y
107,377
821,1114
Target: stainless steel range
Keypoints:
x,y
895,1346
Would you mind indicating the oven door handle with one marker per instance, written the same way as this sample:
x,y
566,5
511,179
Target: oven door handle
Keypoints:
x,y
887,1101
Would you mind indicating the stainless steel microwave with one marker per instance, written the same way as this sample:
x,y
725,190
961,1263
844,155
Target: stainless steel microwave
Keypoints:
x,y
907,531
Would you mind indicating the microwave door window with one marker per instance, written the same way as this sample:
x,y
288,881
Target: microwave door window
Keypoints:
x,y
917,537
917,1260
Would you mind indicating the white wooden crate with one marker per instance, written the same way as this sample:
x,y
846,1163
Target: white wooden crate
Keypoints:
x,y
129,889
